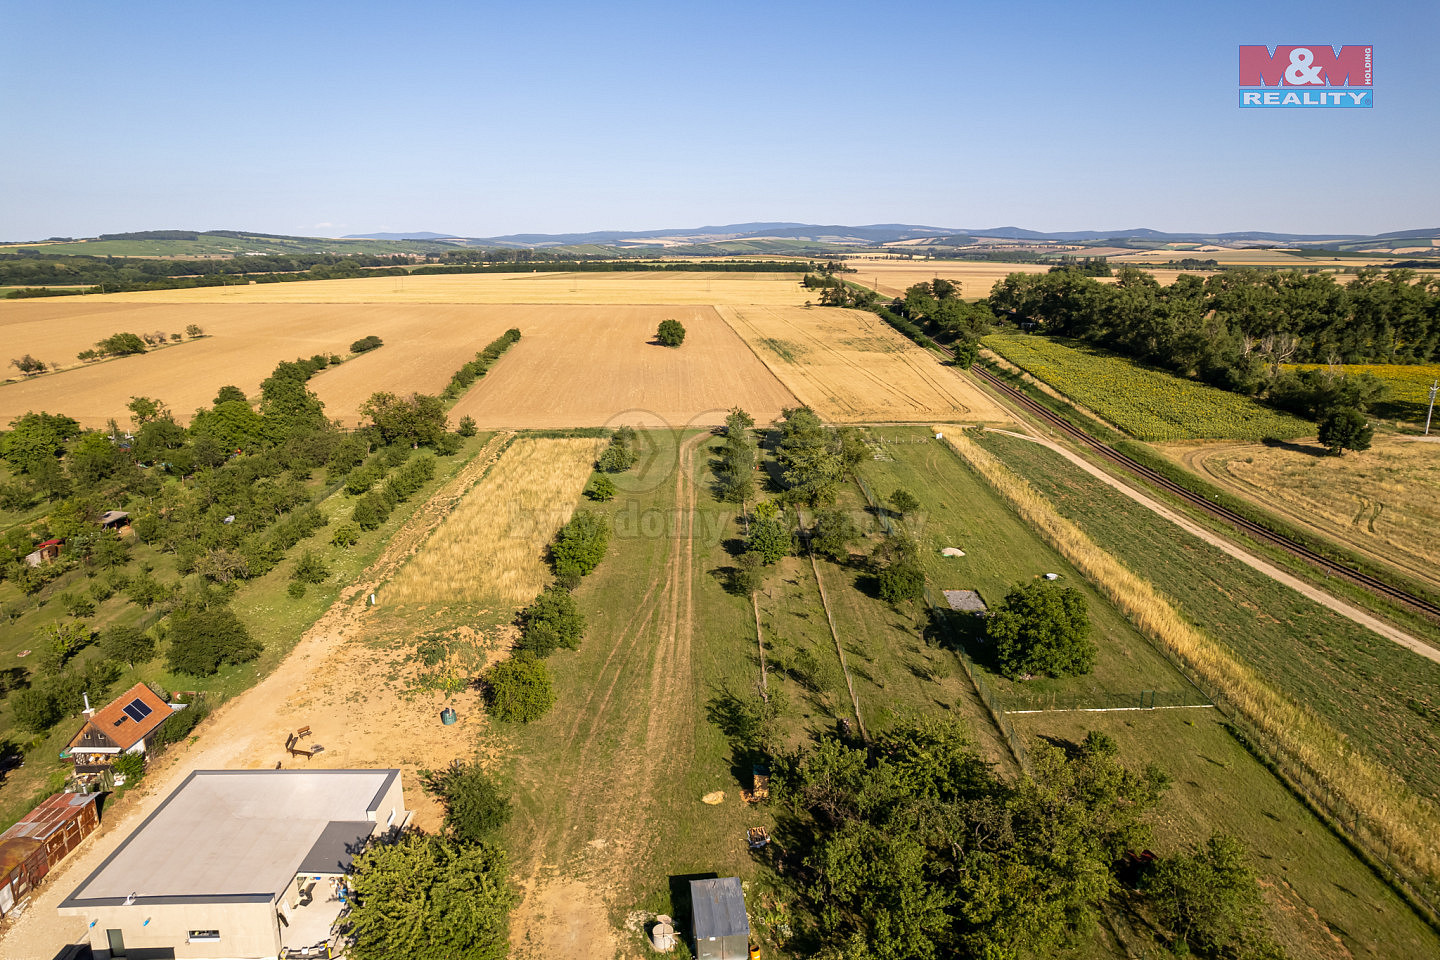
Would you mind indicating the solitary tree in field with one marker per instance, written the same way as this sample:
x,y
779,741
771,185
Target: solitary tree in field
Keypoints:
x,y
671,333
1346,428
193,330
904,502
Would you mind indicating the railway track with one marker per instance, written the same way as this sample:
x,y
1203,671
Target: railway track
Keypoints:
x,y
1240,522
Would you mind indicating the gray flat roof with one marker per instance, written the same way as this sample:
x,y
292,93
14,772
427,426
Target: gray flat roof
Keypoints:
x,y
233,835
718,908
336,849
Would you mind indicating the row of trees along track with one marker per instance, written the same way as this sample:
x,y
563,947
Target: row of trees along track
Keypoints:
x,y
1159,480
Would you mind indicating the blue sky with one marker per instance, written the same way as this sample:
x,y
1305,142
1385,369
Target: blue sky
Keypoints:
x,y
329,118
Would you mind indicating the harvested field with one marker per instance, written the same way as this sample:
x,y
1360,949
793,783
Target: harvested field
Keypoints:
x,y
492,547
1381,501
976,277
424,345
852,367
593,366
579,288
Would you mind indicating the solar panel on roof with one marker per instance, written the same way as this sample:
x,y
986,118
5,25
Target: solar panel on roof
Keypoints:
x,y
137,710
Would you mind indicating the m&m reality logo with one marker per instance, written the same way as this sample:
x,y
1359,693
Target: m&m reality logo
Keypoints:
x,y
1314,75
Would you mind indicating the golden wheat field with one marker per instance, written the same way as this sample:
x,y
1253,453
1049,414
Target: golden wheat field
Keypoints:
x,y
597,366
620,287
852,367
1382,500
492,547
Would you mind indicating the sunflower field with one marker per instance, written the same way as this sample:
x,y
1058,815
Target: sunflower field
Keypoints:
x,y
1148,404
1407,394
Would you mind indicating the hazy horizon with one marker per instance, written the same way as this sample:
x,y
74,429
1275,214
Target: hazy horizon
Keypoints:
x,y
328,120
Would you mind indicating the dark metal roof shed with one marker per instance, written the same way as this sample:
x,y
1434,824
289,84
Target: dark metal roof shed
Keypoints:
x,y
718,907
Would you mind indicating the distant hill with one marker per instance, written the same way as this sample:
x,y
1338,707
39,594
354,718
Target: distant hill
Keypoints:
x,y
773,238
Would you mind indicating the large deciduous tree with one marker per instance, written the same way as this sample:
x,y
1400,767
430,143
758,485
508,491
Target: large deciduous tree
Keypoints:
x,y
1042,629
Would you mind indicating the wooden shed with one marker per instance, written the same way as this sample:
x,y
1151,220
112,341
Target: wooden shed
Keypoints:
x,y
60,823
22,864
722,930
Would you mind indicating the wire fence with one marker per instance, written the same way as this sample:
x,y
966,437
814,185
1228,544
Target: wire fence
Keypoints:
x,y
1103,700
941,613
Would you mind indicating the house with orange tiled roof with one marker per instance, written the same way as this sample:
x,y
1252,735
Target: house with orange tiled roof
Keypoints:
x,y
127,724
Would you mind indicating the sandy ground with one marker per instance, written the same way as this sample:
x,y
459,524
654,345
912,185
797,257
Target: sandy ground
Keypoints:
x,y
1359,616
334,682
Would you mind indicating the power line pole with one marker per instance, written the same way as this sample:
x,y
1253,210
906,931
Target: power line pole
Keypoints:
x,y
1433,388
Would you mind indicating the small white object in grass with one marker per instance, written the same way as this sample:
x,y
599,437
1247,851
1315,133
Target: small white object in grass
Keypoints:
x,y
1052,576
939,436
953,552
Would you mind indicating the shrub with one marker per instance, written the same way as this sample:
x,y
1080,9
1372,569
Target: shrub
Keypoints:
x,y
1042,629
296,590
367,343
131,766
902,581
602,489
202,640
475,807
580,545
345,535
552,621
518,689
310,568
430,898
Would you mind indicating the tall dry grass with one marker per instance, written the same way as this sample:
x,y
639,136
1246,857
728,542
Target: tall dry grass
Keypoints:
x,y
1388,815
492,547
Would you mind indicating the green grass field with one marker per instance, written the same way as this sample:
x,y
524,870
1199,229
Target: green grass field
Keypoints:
x,y
959,510
1217,786
1148,403
1386,699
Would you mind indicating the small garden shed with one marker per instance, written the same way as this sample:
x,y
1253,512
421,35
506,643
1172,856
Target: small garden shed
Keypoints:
x,y
722,930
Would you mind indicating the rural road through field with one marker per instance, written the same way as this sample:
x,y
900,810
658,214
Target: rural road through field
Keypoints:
x,y
317,684
1215,540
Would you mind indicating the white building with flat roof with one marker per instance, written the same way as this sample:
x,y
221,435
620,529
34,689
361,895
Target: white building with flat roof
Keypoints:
x,y
237,864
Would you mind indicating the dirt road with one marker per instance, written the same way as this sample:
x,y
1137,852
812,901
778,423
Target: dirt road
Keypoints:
x,y
1307,590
